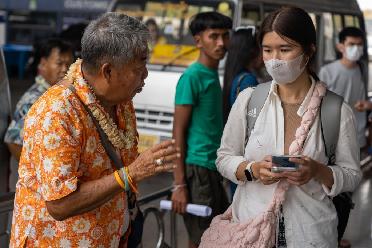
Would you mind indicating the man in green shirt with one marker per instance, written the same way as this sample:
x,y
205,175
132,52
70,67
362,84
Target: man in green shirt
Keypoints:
x,y
198,126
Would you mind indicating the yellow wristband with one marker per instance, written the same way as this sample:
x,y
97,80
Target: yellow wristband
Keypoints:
x,y
118,179
130,180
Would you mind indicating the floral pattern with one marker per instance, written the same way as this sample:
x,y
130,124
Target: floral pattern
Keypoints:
x,y
14,134
63,150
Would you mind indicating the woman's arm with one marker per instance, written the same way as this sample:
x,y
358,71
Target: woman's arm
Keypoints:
x,y
346,173
231,151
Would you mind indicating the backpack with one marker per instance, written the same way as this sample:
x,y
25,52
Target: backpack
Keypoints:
x,y
330,115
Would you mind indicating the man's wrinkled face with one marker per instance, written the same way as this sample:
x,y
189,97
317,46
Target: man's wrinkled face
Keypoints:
x,y
127,80
54,67
213,42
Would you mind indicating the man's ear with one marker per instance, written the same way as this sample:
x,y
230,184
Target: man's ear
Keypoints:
x,y
197,39
42,63
340,47
106,71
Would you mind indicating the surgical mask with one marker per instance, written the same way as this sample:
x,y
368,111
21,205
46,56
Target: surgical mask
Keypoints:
x,y
285,71
353,53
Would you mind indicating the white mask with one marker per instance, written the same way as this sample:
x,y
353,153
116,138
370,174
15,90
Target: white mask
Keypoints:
x,y
353,53
284,71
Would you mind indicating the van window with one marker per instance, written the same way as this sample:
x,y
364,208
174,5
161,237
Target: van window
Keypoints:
x,y
174,45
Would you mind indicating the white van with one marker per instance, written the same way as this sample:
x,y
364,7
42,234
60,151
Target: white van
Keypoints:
x,y
175,50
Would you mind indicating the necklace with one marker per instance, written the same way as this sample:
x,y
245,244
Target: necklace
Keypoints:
x,y
120,139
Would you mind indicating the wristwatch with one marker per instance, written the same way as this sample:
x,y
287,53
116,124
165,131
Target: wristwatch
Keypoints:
x,y
248,171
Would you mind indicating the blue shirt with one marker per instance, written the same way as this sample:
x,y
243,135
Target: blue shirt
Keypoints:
x,y
247,79
14,134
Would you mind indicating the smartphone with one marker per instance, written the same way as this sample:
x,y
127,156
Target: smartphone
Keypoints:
x,y
282,163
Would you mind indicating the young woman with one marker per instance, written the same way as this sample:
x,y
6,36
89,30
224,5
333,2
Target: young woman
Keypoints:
x,y
285,209
242,57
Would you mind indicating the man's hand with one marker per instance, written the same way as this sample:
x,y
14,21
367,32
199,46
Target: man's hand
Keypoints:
x,y
180,200
362,106
159,158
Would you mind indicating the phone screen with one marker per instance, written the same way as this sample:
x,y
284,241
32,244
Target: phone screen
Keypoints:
x,y
282,163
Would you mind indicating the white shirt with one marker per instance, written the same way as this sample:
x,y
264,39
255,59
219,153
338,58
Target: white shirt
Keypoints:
x,y
310,216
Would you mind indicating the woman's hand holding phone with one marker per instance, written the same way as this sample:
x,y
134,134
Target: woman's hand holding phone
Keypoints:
x,y
262,171
308,169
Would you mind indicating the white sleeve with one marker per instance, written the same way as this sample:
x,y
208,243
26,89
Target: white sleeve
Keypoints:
x,y
231,151
346,173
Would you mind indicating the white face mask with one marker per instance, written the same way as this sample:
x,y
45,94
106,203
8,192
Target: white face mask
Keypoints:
x,y
353,53
284,71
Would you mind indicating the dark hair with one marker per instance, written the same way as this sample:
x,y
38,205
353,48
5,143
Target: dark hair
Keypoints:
x,y
241,51
205,20
293,23
350,31
44,49
151,21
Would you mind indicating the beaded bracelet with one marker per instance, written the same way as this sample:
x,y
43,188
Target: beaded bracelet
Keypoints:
x,y
125,175
119,180
131,182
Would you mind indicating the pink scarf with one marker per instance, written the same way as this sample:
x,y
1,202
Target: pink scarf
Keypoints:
x,y
259,232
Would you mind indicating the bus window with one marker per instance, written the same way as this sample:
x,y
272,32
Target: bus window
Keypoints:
x,y
349,21
174,45
250,15
329,42
337,22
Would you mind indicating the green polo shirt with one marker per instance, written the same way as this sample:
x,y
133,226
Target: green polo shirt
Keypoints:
x,y
199,86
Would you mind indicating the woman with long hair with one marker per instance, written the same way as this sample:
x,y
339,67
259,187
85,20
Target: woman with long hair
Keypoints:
x,y
242,56
274,208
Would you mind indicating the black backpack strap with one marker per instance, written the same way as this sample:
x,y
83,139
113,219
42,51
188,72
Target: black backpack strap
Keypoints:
x,y
255,105
330,116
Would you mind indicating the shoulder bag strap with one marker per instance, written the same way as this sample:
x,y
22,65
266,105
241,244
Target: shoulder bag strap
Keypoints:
x,y
330,116
255,105
118,163
240,79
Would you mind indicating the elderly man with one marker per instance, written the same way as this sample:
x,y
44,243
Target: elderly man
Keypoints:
x,y
69,192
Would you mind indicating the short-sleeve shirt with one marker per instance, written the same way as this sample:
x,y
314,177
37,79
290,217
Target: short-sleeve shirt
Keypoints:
x,y
200,87
14,133
61,150
347,82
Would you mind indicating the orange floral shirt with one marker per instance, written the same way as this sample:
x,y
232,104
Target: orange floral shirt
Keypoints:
x,y
61,150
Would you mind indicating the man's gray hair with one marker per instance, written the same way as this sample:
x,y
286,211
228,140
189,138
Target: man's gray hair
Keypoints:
x,y
113,38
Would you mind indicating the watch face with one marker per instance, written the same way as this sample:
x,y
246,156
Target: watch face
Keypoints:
x,y
248,175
